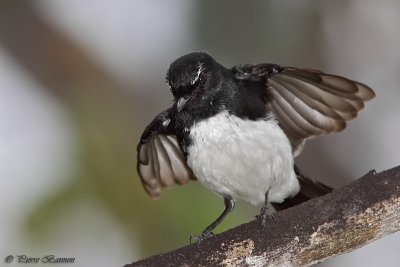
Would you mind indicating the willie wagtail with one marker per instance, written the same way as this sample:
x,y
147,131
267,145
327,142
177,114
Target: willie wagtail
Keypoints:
x,y
237,130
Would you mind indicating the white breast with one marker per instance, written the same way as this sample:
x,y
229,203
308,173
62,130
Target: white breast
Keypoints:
x,y
243,158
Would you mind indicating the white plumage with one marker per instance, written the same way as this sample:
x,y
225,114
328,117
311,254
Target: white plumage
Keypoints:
x,y
243,158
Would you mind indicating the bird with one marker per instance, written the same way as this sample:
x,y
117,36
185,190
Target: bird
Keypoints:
x,y
237,130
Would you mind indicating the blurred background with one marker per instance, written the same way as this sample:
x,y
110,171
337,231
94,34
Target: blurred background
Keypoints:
x,y
80,80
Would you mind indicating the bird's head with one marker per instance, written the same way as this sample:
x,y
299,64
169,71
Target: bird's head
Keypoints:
x,y
190,76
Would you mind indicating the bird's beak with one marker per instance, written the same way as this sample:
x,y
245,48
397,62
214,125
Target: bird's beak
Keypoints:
x,y
181,103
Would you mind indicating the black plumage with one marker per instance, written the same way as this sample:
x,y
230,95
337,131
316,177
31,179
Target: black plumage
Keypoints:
x,y
307,103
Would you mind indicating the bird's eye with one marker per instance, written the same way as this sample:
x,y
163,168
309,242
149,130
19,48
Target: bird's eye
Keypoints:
x,y
202,79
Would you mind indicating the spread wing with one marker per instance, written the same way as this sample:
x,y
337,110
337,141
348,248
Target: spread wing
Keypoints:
x,y
307,103
160,160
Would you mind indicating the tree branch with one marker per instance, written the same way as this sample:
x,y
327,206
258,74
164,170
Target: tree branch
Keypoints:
x,y
342,221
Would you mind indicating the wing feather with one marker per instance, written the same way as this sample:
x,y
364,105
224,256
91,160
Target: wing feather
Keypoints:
x,y
313,116
161,164
295,116
316,92
293,130
154,157
182,172
165,173
310,103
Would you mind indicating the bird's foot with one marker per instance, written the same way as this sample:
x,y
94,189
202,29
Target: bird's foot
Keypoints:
x,y
198,238
265,215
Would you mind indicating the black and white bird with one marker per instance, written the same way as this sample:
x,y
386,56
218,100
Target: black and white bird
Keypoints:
x,y
238,130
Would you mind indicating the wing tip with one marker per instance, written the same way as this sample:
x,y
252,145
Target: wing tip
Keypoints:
x,y
152,193
365,92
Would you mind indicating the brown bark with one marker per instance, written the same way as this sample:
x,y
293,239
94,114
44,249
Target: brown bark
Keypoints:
x,y
339,222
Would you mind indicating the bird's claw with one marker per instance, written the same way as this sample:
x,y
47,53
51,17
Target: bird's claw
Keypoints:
x,y
201,237
264,215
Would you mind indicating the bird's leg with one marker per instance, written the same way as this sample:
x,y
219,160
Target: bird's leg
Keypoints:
x,y
229,203
265,213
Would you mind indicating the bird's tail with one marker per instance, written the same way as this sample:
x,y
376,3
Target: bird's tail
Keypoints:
x,y
309,188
